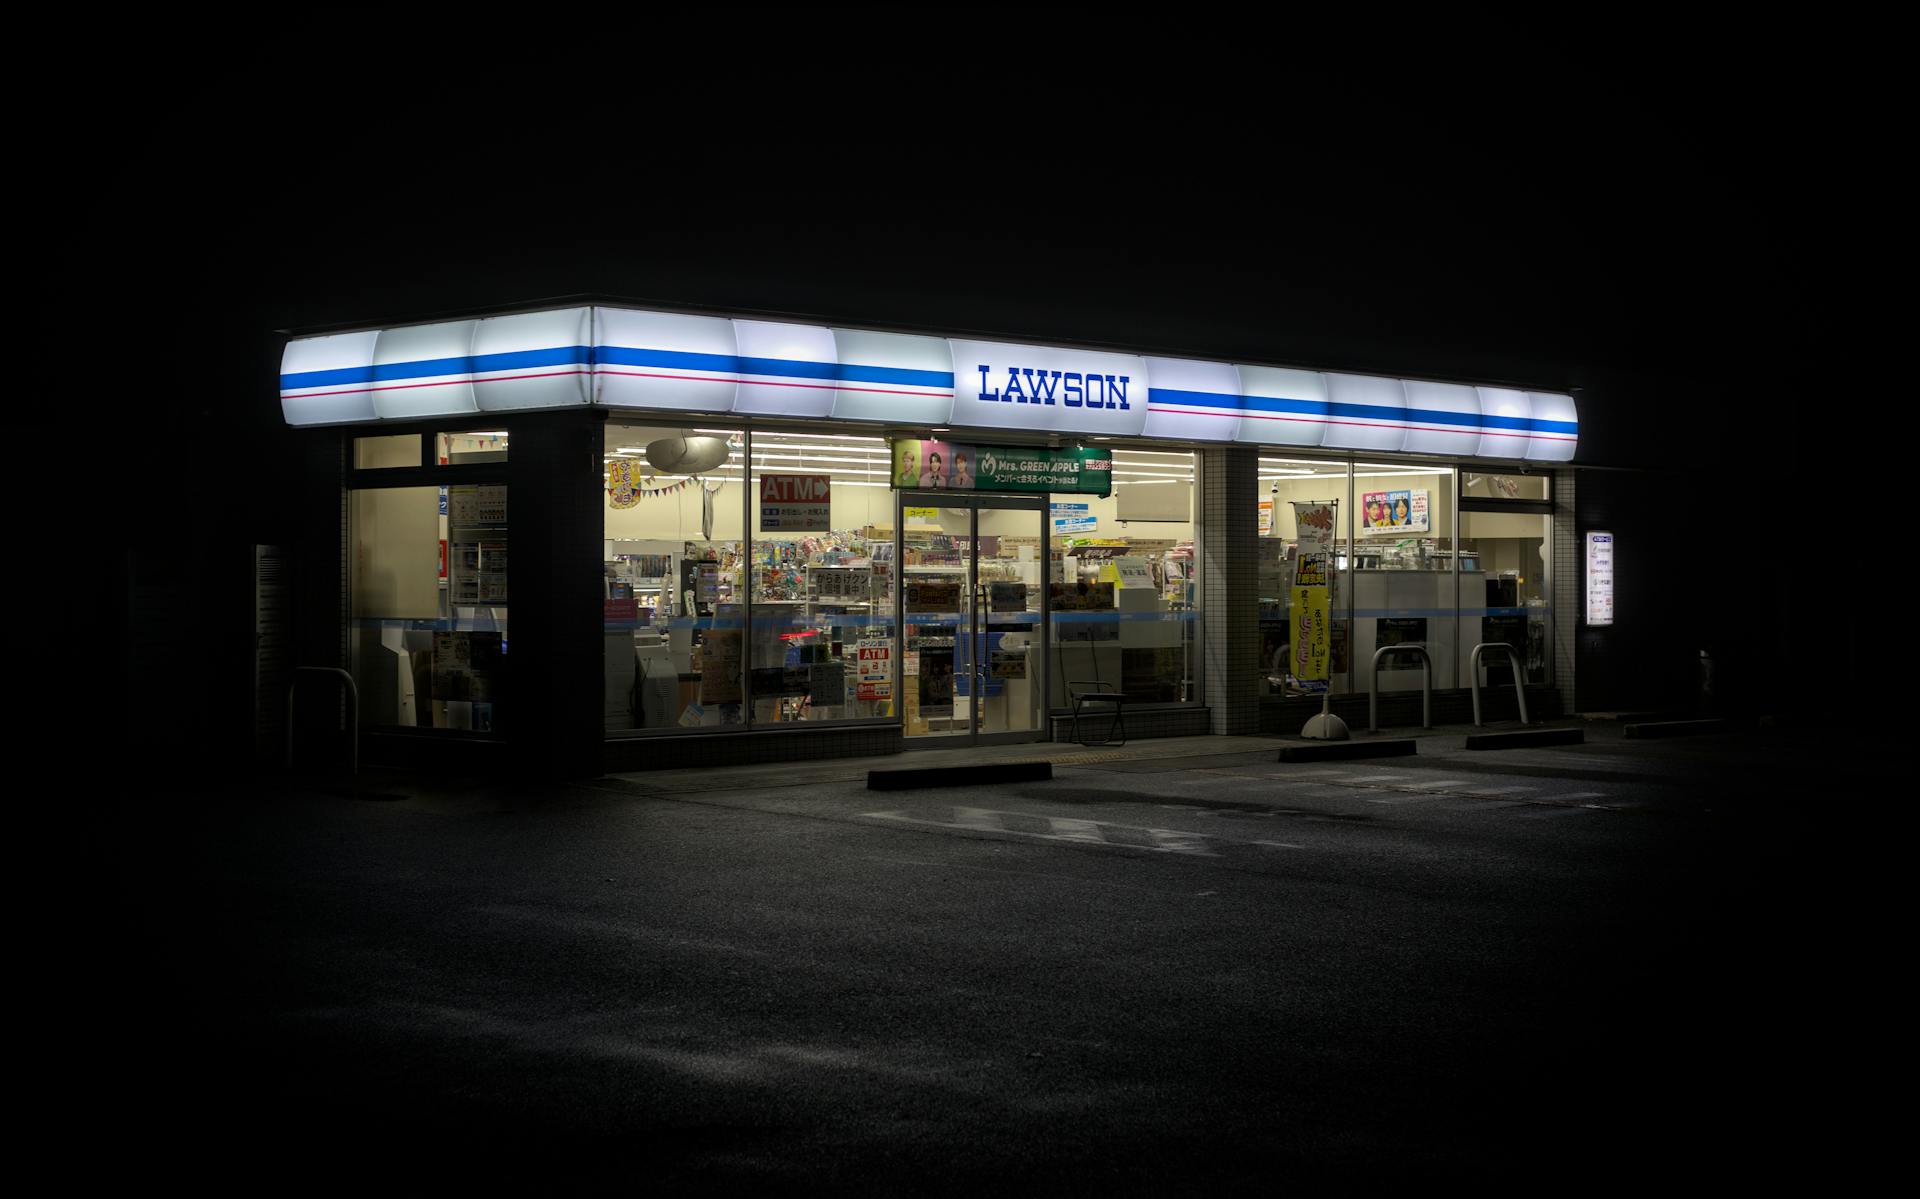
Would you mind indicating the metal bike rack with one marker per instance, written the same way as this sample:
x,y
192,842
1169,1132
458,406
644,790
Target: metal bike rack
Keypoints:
x,y
1519,678
353,709
1426,685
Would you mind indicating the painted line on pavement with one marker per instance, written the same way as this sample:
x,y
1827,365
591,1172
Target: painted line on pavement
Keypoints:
x,y
979,820
1081,832
1076,830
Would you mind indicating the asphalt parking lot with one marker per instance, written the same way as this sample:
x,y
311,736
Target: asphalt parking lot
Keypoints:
x,y
1188,967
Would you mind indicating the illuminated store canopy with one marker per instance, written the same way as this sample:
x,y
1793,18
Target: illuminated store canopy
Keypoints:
x,y
661,362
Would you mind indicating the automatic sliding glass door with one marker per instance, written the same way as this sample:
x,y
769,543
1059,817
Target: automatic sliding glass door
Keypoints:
x,y
972,588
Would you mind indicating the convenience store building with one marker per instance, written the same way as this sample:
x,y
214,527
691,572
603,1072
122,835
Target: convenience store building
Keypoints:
x,y
603,538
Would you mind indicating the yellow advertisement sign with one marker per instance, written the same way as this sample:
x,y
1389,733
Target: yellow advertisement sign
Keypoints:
x,y
1311,621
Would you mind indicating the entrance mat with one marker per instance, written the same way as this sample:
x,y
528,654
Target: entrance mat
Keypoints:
x,y
1522,738
1674,728
958,776
1336,751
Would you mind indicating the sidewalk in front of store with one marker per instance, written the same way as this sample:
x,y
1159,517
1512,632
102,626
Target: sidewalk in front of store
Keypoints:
x,y
1445,739
1765,740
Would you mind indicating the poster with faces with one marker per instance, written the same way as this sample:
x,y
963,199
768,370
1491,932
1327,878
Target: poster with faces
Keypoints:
x,y
1394,512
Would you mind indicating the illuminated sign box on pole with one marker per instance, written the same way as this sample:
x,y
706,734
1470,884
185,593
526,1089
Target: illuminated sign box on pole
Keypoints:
x,y
1599,579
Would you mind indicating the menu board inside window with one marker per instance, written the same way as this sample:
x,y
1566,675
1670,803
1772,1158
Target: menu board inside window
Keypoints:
x,y
477,545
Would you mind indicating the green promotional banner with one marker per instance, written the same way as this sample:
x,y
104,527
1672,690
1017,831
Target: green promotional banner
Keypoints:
x,y
955,466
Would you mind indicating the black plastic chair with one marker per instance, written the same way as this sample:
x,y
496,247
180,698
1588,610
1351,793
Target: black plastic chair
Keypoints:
x,y
1118,700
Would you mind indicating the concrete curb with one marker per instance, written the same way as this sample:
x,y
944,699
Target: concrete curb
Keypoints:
x,y
1337,751
1522,738
958,776
1674,728
1624,718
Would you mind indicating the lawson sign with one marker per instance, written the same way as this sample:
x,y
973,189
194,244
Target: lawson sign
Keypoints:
x,y
667,362
1011,386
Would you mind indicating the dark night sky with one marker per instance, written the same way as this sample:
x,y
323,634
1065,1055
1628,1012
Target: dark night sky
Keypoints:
x,y
1646,240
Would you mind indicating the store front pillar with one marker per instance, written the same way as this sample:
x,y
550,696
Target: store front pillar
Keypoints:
x,y
555,654
320,557
1229,569
1568,592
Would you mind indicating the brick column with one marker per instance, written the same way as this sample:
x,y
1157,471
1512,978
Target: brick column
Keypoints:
x,y
1230,586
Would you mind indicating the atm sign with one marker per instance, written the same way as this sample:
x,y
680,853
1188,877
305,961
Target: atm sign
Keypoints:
x,y
796,503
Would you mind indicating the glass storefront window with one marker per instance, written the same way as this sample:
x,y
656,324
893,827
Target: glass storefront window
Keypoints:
x,y
822,576
672,569
1124,588
1403,584
1397,579
1505,589
467,448
1284,482
428,585
1478,484
750,581
386,451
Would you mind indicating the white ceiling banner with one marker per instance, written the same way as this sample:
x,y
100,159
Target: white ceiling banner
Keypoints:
x,y
664,360
1442,418
898,378
533,360
1556,427
1506,419
513,363
328,380
1192,400
423,371
785,370
1365,412
1279,406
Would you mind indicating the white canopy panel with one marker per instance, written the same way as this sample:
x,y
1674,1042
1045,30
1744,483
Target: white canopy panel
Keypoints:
x,y
674,362
490,364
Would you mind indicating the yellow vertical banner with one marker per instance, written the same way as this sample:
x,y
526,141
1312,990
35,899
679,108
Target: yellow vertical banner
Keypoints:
x,y
1310,613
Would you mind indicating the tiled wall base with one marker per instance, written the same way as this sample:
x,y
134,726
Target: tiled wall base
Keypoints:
x,y
1402,709
458,756
1142,723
